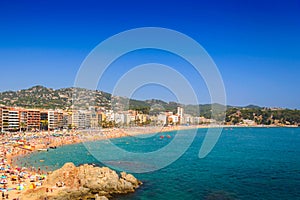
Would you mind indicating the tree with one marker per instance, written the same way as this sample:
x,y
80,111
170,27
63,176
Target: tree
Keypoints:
x,y
69,126
44,124
22,126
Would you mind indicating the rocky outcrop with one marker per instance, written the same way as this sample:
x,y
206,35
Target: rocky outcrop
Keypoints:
x,y
87,181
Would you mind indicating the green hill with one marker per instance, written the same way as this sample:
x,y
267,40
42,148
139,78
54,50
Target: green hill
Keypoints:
x,y
42,97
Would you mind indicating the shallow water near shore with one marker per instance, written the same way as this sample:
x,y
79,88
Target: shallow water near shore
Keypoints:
x,y
246,163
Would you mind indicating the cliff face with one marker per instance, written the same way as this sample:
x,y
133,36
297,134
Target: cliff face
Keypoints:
x,y
86,181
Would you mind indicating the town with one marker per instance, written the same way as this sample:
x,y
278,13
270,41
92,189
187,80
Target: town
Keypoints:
x,y
44,109
13,119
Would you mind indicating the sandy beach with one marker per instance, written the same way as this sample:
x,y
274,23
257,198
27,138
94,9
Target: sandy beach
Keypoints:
x,y
17,180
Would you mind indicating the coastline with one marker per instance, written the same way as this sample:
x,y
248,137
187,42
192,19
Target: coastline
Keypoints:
x,y
120,133
74,138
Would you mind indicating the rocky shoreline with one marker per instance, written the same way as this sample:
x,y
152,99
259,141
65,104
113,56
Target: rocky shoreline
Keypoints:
x,y
83,182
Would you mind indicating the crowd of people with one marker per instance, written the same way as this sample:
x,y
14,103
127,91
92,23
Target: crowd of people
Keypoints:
x,y
14,180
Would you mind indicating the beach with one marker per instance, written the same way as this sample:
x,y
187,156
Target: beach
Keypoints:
x,y
246,163
17,180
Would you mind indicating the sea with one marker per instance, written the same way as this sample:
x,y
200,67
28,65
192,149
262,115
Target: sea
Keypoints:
x,y
245,163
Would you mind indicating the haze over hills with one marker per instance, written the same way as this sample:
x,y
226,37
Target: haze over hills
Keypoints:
x,y
42,97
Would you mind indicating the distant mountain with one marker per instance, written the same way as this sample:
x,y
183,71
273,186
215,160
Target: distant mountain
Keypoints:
x,y
253,106
42,97
48,98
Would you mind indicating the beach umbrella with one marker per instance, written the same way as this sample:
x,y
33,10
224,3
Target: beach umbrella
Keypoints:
x,y
32,178
20,187
22,174
3,181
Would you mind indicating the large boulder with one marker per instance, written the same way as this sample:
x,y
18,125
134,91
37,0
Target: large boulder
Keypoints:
x,y
67,175
86,181
129,178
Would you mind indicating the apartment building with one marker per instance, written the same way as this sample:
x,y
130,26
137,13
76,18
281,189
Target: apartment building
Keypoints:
x,y
13,120
0,119
60,119
180,114
33,119
162,118
173,119
96,119
4,119
44,119
52,120
23,119
81,119
1,108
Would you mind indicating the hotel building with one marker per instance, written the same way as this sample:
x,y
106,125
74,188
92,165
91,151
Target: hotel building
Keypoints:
x,y
33,119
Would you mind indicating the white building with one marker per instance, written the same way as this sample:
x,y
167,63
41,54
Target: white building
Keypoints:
x,y
9,119
119,118
162,118
13,120
81,119
110,116
127,119
4,119
180,114
187,119
52,120
174,119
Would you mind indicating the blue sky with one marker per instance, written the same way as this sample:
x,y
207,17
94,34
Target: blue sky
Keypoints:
x,y
255,44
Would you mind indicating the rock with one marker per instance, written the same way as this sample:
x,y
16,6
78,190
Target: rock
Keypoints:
x,y
97,197
130,178
67,175
87,180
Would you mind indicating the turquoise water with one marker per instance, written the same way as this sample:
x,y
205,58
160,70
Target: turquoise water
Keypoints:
x,y
246,163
